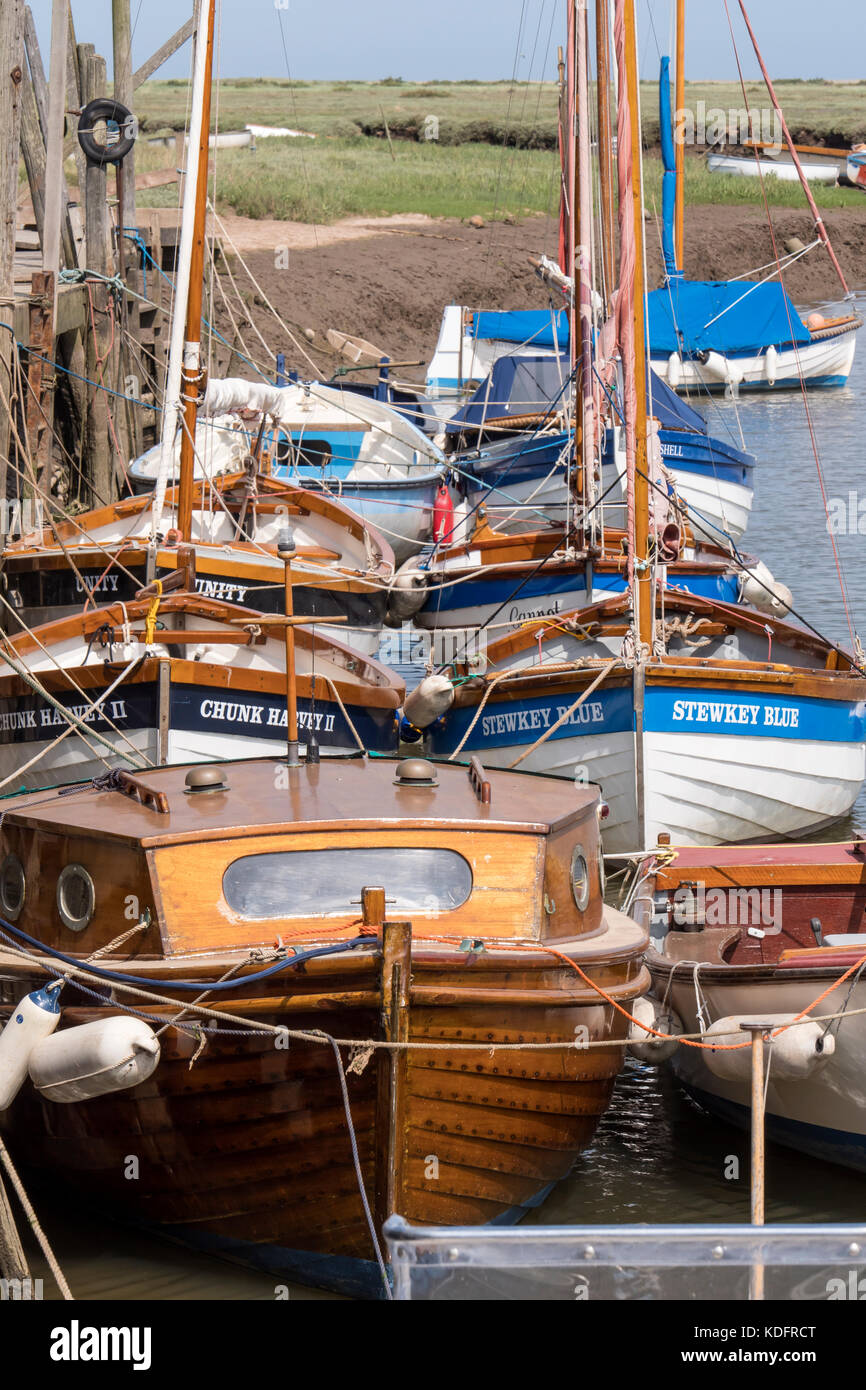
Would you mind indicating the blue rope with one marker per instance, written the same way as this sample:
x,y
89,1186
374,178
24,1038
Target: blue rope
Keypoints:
x,y
289,963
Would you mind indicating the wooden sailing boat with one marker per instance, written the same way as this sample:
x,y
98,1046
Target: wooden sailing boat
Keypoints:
x,y
174,678
341,566
244,1147
743,727
761,934
714,747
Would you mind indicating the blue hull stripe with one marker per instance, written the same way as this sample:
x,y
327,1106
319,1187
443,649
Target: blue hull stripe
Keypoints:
x,y
833,1145
520,721
676,710
480,592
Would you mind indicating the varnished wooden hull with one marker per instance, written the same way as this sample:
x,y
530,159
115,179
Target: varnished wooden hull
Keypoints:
x,y
247,1153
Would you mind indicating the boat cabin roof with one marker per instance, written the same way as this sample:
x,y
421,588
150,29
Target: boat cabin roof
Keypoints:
x,y
265,795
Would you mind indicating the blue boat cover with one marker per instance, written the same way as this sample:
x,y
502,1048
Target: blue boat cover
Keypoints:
x,y
716,315
521,385
726,316
534,327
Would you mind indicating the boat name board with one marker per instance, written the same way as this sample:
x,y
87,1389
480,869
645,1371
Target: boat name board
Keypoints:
x,y
728,712
48,716
233,712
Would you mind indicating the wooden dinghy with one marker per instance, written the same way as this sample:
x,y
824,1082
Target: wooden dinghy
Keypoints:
x,y
174,678
341,565
508,579
763,933
497,934
739,726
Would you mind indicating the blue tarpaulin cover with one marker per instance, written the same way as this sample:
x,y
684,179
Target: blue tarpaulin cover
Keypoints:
x,y
725,316
520,385
715,315
534,327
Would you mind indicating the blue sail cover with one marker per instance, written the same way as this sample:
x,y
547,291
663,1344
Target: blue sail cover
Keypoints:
x,y
520,385
669,177
726,316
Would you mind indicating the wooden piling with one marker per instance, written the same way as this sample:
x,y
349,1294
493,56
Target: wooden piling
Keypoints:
x,y
98,332
126,218
393,1066
13,1261
40,376
11,73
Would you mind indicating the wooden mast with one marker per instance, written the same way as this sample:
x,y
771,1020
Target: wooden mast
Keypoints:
x,y
642,568
679,218
582,289
605,142
191,380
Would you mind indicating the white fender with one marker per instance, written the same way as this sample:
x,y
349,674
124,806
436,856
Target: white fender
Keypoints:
x,y
674,371
771,365
652,1014
408,592
722,368
795,1054
430,698
34,1018
760,590
94,1059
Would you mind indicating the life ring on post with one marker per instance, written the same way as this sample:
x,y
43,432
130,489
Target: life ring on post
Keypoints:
x,y
113,113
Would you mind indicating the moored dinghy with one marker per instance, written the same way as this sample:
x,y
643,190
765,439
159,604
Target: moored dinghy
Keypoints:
x,y
360,450
248,1153
762,934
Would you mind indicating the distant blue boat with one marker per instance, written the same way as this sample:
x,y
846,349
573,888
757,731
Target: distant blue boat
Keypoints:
x,y
736,335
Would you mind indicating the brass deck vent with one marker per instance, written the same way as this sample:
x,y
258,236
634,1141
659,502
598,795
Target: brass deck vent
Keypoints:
x,y
416,772
205,779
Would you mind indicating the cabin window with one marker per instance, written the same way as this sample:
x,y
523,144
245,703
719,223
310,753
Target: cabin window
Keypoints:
x,y
328,882
76,897
12,887
579,879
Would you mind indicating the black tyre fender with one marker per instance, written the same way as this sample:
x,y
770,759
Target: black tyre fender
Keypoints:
x,y
106,109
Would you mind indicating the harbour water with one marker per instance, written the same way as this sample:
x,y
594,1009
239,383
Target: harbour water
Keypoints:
x,y
657,1157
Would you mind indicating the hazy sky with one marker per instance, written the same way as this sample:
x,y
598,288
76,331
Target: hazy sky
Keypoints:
x,y
423,39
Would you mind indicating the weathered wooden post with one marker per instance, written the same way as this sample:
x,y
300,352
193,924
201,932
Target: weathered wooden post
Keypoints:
x,y
40,375
126,264
92,79
11,73
393,1065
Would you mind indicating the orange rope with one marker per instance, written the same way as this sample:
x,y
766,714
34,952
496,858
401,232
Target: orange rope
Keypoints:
x,y
666,1037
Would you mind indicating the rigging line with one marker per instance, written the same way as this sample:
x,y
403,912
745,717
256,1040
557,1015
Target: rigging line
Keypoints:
x,y
568,533
836,556
217,280
64,671
503,147
294,98
265,298
737,559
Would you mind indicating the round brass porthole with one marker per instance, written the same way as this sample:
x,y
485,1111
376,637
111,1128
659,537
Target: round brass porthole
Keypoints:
x,y
76,897
12,887
579,879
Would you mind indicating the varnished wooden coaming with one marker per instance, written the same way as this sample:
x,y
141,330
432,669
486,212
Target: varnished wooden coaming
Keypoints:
x,y
800,883
251,1145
